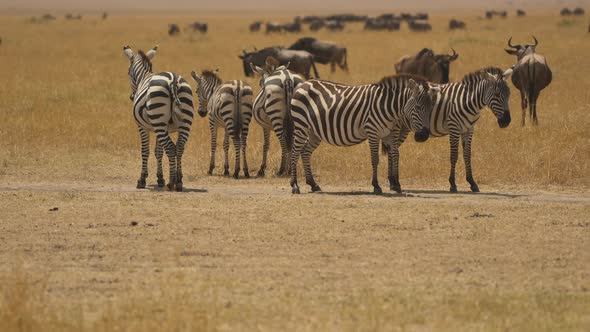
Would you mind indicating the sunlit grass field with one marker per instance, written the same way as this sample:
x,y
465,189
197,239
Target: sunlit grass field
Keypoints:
x,y
242,258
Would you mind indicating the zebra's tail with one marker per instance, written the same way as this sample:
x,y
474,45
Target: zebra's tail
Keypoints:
x,y
174,91
384,148
237,116
288,120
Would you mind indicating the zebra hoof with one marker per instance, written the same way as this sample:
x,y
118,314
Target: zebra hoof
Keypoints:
x,y
296,191
397,189
475,188
281,172
453,189
178,186
236,175
171,186
246,174
260,173
210,172
377,191
140,184
315,188
226,173
161,182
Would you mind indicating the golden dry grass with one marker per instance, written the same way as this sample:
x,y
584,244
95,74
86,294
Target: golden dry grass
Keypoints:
x,y
247,255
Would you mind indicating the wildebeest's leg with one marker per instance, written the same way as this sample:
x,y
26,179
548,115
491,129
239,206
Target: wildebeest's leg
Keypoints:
x,y
170,148
265,148
213,130
244,139
374,146
523,105
180,143
332,65
226,154
159,152
145,153
466,144
312,144
454,139
299,140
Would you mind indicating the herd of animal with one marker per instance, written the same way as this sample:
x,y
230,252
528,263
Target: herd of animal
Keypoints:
x,y
302,112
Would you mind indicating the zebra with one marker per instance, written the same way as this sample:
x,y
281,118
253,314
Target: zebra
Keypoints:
x,y
271,109
229,105
458,107
346,115
162,103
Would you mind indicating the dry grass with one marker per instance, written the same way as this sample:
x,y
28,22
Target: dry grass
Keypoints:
x,y
247,255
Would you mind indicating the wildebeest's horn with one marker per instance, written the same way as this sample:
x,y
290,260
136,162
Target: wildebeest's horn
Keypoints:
x,y
536,41
510,43
454,52
244,51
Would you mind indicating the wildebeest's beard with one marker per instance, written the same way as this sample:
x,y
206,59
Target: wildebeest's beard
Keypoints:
x,y
246,59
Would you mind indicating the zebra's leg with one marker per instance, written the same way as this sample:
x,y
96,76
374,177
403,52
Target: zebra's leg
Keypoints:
x,y
182,138
310,146
213,131
237,147
394,162
244,146
454,156
466,144
159,152
299,141
145,153
226,154
284,157
170,148
374,146
265,147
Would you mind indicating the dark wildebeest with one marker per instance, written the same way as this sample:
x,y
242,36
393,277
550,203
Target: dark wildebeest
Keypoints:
x,y
381,24
173,29
300,62
198,26
419,26
254,27
434,67
456,24
579,11
520,12
531,75
105,15
565,12
273,27
334,25
311,19
421,16
316,25
489,14
293,27
324,52
346,18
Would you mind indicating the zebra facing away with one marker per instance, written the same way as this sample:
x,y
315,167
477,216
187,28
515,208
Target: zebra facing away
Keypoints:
x,y
162,103
229,105
271,110
346,115
458,107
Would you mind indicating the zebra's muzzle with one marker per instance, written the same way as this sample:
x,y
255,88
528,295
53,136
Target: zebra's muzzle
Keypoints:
x,y
504,121
422,135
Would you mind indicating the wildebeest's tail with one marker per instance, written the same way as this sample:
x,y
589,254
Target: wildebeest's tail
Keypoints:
x,y
531,90
315,70
288,120
237,116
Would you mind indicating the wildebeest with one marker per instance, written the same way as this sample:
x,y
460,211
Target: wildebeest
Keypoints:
x,y
173,29
579,11
434,67
293,27
334,25
491,13
565,12
198,26
316,25
520,12
346,18
300,62
531,75
324,52
419,26
311,19
105,15
254,27
382,24
273,27
456,24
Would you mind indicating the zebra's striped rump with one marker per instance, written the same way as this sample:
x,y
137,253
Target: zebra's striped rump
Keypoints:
x,y
345,115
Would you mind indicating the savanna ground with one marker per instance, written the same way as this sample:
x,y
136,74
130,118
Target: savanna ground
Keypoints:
x,y
81,248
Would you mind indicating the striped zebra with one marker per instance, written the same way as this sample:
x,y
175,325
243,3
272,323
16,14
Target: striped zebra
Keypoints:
x,y
229,105
271,110
458,107
346,115
162,103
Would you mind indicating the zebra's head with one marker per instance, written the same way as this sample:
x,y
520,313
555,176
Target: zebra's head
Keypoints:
x,y
140,64
497,96
418,107
206,84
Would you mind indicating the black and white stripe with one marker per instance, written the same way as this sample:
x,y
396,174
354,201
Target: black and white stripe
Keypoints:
x,y
271,111
229,106
162,103
346,115
458,107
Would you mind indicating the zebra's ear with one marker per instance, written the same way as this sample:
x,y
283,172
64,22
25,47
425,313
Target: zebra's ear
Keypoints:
x,y
507,74
195,76
412,84
492,76
287,65
128,52
216,71
151,53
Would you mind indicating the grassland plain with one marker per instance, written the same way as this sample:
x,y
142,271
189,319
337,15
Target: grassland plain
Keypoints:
x,y
246,255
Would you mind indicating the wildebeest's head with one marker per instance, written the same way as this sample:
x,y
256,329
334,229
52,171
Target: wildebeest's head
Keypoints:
x,y
521,50
206,84
497,95
444,63
418,107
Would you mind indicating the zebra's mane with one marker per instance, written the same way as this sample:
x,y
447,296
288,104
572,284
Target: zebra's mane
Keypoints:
x,y
399,78
145,59
481,73
209,74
